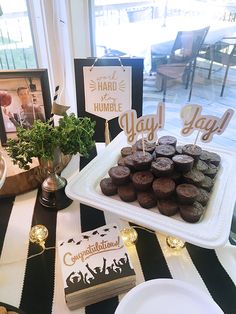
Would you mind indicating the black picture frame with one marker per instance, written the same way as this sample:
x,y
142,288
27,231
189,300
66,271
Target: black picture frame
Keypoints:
x,y
36,80
136,65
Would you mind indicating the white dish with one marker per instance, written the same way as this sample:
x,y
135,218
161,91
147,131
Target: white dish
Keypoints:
x,y
167,296
212,231
3,170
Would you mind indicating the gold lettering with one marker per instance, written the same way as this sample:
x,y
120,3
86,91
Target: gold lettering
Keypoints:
x,y
130,129
188,129
67,255
98,247
95,107
114,86
140,126
109,85
114,76
105,87
200,123
100,86
146,124
109,107
226,118
152,127
209,125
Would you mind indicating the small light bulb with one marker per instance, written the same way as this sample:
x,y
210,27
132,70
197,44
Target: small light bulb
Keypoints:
x,y
129,236
175,243
38,234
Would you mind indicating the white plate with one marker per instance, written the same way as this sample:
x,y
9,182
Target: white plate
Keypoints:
x,y
3,170
167,296
212,231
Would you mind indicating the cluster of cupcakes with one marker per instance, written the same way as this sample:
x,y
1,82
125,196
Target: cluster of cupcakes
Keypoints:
x,y
176,179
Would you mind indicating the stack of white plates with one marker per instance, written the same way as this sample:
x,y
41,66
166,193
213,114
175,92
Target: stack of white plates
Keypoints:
x,y
167,296
3,170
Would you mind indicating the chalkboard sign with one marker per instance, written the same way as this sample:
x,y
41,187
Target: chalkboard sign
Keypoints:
x,y
137,91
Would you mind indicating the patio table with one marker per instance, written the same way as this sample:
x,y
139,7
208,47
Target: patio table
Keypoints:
x,y
142,38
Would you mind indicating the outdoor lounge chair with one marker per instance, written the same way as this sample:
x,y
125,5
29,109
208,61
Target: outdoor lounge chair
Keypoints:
x,y
182,60
222,52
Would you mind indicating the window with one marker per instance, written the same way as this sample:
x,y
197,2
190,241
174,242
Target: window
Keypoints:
x,y
16,45
148,29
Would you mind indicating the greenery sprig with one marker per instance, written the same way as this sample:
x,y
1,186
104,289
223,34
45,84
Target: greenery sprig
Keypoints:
x,y
73,135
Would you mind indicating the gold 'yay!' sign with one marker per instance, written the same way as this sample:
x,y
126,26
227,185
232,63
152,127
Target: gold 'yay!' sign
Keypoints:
x,y
207,124
145,125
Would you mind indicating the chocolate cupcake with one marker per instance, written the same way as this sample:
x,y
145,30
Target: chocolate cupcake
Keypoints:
x,y
162,167
121,161
142,180
179,149
134,148
186,193
129,162
207,183
201,165
183,163
205,156
194,177
167,140
126,151
127,192
163,187
108,187
191,213
165,151
211,171
192,150
203,197
176,176
215,159
148,147
168,207
147,199
119,175
142,161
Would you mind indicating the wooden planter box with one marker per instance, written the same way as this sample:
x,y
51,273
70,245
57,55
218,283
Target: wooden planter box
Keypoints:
x,y
19,181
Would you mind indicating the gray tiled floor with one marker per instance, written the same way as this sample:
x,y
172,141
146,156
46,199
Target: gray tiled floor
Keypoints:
x,y
205,93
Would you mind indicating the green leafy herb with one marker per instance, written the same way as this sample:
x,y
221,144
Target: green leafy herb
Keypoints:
x,y
73,135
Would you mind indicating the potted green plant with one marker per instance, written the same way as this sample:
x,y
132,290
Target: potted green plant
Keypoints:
x,y
72,135
46,142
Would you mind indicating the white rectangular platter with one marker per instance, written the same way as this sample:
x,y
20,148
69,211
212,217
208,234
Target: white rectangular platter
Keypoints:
x,y
213,229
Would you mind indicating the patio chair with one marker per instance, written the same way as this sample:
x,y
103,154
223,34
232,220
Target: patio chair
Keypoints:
x,y
140,14
182,61
109,52
222,52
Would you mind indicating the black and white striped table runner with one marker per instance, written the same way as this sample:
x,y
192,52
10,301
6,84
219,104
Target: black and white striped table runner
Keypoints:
x,y
36,286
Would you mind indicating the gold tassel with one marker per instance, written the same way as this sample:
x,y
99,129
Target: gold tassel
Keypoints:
x,y
59,109
107,133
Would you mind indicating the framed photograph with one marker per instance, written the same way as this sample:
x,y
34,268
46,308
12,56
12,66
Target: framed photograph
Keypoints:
x,y
24,98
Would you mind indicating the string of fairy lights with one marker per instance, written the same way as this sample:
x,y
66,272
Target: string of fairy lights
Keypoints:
x,y
39,234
